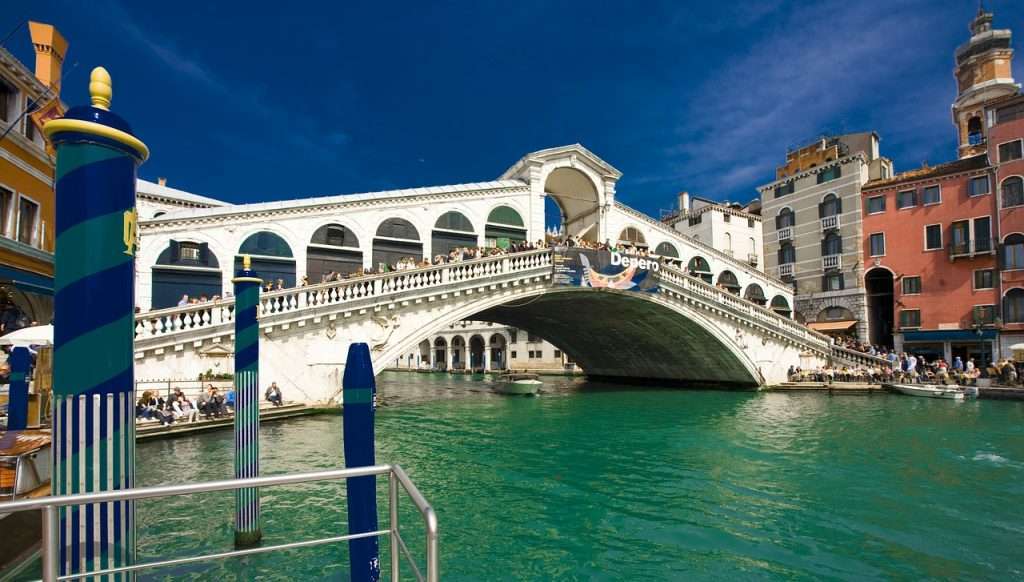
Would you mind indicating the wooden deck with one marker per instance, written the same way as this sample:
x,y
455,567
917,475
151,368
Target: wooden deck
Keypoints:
x,y
828,387
150,429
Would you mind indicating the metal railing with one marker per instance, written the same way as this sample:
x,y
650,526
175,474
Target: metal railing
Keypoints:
x,y
396,477
970,248
829,222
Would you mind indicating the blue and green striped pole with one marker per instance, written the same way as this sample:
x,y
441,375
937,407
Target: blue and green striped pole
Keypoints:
x,y
358,387
94,305
17,398
247,404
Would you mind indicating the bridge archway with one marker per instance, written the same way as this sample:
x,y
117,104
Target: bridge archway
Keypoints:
x,y
879,284
631,236
667,249
781,306
396,239
504,226
457,353
728,281
578,200
272,257
477,346
440,354
185,268
699,267
333,248
498,347
755,293
452,230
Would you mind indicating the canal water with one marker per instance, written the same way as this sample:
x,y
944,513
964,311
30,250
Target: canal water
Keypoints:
x,y
589,482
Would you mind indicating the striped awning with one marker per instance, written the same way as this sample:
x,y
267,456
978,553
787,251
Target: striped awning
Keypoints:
x,y
841,325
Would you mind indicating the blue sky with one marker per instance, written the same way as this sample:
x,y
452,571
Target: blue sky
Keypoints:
x,y
247,103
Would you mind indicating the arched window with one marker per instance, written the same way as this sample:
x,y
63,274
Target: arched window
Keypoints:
x,y
835,313
784,219
728,242
452,230
727,280
632,236
271,258
397,240
1013,191
832,244
974,131
185,268
755,293
1013,306
332,250
781,306
1013,251
667,249
831,205
504,226
699,267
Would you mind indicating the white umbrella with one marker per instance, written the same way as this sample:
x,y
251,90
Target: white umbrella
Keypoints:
x,y
1016,347
39,335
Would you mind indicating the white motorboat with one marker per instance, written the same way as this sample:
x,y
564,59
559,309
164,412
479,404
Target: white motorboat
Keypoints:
x,y
522,384
930,391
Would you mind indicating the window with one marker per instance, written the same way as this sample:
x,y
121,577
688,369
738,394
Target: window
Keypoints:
x,y
1013,306
30,127
984,314
6,206
906,199
1010,151
785,219
1013,191
783,189
28,216
974,133
558,353
727,217
983,234
960,237
188,251
877,242
832,245
829,174
8,102
750,223
977,186
513,336
911,285
787,254
531,338
832,282
830,206
910,318
876,204
514,355
984,279
1013,252
931,195
932,237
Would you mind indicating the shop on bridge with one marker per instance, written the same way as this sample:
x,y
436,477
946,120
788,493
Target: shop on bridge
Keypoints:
x,y
272,258
332,249
185,268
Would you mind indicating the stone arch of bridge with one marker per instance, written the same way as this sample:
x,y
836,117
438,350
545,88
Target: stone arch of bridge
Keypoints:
x,y
640,335
578,193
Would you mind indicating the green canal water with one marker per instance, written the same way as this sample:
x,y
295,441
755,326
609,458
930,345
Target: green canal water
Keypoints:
x,y
603,483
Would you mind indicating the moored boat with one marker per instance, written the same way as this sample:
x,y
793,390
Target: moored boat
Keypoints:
x,y
928,391
523,384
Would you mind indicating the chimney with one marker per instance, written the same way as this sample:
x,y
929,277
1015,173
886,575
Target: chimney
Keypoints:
x,y
50,50
684,201
161,181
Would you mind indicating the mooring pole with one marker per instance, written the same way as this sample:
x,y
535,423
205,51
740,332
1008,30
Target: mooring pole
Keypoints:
x,y
358,388
94,316
17,400
247,403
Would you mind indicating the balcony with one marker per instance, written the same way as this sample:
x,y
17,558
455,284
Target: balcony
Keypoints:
x,y
786,233
753,259
830,223
831,262
972,248
786,270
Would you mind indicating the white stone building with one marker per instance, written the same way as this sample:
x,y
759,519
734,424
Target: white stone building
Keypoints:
x,y
485,346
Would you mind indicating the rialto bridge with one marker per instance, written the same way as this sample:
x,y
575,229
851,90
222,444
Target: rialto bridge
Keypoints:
x,y
713,319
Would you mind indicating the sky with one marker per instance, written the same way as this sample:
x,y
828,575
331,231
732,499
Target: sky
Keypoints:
x,y
245,102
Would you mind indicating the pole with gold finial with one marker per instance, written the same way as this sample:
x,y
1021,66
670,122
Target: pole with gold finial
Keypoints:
x,y
94,305
247,403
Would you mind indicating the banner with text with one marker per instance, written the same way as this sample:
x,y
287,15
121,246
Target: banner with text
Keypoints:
x,y
577,267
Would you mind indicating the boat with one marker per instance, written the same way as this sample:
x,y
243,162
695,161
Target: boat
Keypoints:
x,y
24,474
524,384
929,391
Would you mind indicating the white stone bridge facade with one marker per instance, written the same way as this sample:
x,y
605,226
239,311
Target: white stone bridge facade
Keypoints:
x,y
691,330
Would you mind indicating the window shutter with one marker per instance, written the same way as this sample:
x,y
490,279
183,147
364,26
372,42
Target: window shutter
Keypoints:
x,y
821,210
204,254
175,252
839,245
778,221
824,246
839,205
782,255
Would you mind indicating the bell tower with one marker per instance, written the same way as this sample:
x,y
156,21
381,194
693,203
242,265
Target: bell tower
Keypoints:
x,y
984,71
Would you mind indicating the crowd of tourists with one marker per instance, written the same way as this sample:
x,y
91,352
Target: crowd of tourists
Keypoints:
x,y
910,368
210,404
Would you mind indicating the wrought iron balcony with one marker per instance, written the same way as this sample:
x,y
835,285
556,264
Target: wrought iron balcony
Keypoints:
x,y
830,223
831,262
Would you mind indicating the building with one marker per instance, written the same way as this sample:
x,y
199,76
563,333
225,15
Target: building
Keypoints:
x,y
479,345
153,200
26,182
940,241
725,226
814,234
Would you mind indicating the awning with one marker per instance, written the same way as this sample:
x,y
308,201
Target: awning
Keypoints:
x,y
949,335
26,281
842,325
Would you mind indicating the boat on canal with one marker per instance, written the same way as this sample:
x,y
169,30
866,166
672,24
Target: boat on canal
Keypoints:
x,y
519,384
932,391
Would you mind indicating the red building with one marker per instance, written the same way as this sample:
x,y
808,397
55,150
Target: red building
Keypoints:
x,y
1005,128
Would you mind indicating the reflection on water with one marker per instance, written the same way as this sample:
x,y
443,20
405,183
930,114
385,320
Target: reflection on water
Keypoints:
x,y
588,482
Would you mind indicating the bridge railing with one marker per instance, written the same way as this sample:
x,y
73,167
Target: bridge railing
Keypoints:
x,y
698,287
860,358
173,320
